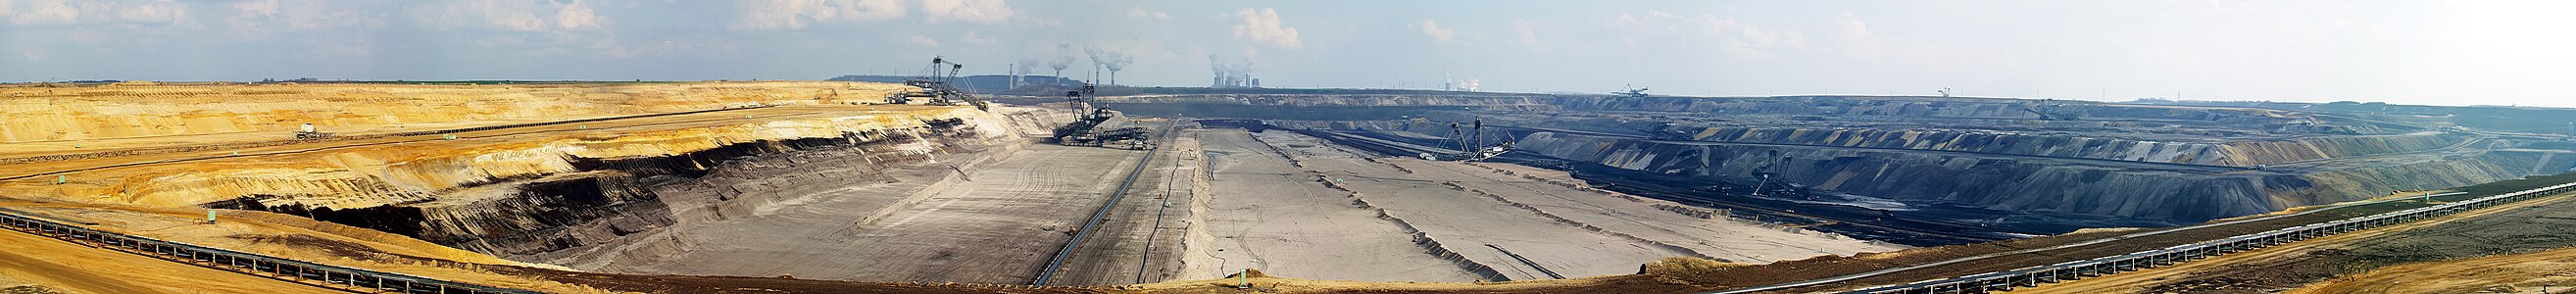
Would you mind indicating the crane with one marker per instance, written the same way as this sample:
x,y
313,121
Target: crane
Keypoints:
x,y
1471,144
1099,127
1632,92
937,86
2050,110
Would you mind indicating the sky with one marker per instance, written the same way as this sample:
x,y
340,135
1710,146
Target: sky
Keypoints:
x,y
2410,52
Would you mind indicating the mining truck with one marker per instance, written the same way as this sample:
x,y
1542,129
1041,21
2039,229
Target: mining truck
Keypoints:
x,y
307,133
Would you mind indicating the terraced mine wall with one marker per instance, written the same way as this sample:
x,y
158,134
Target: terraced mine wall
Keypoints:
x,y
1279,111
2236,153
2128,189
2225,153
608,197
2016,184
1944,107
534,201
2185,164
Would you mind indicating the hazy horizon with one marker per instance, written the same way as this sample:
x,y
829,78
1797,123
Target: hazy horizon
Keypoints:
x,y
2412,52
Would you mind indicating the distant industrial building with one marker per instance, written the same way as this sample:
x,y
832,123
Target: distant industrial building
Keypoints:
x,y
1237,80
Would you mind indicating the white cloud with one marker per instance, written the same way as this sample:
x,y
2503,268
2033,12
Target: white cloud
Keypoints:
x,y
1660,28
973,11
40,12
796,14
972,38
254,19
162,11
1856,37
1141,13
576,16
61,12
253,9
1262,27
1436,32
1523,35
1750,40
507,15
924,41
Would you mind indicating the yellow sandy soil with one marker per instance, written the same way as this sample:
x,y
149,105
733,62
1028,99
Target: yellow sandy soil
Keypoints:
x,y
2512,273
156,195
39,120
366,173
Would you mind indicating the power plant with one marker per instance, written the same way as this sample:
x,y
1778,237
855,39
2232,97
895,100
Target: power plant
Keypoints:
x,y
1231,74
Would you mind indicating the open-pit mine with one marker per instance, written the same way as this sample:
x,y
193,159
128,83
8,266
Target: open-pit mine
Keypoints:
x,y
858,187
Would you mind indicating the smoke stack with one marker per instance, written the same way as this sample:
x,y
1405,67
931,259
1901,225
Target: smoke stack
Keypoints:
x,y
1112,60
1021,70
1230,74
1063,60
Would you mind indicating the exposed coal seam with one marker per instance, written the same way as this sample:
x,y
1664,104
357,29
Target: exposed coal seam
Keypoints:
x,y
1684,210
1283,153
1388,164
1580,225
1526,261
1567,185
1523,207
541,211
1420,239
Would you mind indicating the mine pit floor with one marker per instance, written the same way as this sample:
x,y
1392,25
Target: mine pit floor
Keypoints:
x,y
993,225
1463,208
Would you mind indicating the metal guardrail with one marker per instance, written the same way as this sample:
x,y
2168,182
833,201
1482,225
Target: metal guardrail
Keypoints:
x,y
2077,270
334,277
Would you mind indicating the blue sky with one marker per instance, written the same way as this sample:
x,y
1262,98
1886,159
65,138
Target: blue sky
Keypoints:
x,y
2421,52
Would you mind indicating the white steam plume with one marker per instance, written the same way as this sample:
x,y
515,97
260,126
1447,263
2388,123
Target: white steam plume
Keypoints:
x,y
1109,59
1063,58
